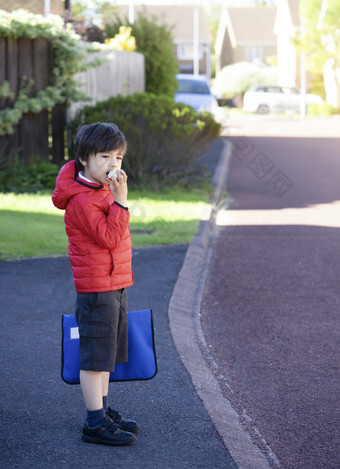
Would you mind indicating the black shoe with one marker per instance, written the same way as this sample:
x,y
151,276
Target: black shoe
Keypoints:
x,y
107,433
126,425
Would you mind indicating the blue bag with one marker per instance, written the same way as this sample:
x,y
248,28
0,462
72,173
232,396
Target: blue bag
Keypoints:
x,y
142,364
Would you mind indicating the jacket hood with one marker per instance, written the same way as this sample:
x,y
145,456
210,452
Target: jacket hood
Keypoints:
x,y
69,184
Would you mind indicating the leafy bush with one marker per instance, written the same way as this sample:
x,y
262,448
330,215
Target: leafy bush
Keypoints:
x,y
323,109
16,177
68,59
164,138
317,85
155,42
238,78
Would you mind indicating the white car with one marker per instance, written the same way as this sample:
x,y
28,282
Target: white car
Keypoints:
x,y
195,91
272,98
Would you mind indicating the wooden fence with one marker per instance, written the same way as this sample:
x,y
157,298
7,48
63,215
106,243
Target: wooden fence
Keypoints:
x,y
22,60
120,73
44,134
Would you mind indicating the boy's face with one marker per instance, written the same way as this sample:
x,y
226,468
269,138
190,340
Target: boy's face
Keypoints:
x,y
98,165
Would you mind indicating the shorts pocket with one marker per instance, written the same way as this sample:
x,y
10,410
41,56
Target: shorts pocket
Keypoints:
x,y
93,345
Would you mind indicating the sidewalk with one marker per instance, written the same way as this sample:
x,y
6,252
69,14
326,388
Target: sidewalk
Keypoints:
x,y
42,417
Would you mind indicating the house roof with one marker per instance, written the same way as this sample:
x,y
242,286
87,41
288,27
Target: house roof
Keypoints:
x,y
253,25
180,18
293,6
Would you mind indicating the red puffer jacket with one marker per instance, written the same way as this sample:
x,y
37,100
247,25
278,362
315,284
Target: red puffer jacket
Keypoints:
x,y
100,248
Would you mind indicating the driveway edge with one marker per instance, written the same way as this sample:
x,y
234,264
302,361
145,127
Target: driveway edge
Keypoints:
x,y
185,327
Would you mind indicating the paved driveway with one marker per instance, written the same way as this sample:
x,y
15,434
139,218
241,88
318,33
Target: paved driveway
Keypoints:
x,y
41,417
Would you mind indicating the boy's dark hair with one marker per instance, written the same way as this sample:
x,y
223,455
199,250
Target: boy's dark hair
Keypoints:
x,y
97,138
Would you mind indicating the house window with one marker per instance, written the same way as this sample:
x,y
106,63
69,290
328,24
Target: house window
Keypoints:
x,y
186,51
254,52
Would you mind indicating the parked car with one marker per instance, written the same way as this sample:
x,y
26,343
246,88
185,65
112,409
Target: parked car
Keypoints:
x,y
195,91
272,98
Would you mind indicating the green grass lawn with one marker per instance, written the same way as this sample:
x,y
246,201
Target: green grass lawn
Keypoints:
x,y
31,226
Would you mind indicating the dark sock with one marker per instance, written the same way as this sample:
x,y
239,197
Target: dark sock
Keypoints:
x,y
95,417
105,404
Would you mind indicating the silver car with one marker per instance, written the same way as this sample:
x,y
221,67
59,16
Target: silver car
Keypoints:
x,y
195,91
272,98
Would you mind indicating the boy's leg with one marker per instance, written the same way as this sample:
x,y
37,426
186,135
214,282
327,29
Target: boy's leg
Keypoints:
x,y
91,383
98,427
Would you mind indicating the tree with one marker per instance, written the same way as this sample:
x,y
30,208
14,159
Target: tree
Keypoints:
x,y
321,36
154,40
319,40
107,11
237,78
78,9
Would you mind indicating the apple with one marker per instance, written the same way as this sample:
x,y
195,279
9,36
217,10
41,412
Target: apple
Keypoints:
x,y
114,174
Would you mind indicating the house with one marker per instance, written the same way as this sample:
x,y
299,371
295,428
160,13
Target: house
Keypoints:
x,y
245,34
37,7
181,20
287,27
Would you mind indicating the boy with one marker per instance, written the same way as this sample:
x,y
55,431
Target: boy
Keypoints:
x,y
100,251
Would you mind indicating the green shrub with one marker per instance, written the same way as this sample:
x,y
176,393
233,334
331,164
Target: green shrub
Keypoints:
x,y
164,138
239,77
68,59
17,177
323,109
154,40
317,85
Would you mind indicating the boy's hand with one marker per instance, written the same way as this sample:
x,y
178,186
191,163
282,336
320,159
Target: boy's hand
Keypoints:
x,y
119,188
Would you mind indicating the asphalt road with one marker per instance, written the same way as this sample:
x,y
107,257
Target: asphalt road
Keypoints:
x,y
270,310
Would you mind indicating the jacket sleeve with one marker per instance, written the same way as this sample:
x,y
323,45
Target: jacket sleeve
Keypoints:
x,y
106,230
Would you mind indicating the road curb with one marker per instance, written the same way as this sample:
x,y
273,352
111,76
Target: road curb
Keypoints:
x,y
185,326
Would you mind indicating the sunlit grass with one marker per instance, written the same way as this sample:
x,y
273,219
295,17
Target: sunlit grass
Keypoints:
x,y
33,203
31,226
